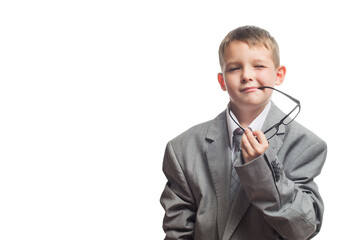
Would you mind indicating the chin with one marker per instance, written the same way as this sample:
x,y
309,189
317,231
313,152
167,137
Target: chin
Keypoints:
x,y
255,104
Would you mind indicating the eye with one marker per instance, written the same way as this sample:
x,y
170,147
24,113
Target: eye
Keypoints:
x,y
259,66
234,69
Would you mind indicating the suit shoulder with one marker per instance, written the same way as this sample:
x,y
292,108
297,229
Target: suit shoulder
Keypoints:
x,y
302,134
195,134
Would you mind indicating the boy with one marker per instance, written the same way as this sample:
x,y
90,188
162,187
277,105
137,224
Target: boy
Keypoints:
x,y
248,173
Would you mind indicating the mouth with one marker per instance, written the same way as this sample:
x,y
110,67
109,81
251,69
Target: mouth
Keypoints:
x,y
249,89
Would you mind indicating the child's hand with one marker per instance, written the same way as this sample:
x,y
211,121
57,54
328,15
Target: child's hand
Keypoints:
x,y
253,147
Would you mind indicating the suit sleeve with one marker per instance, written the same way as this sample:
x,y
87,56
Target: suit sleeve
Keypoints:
x,y
290,204
177,200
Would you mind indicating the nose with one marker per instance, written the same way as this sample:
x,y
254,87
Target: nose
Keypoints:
x,y
247,74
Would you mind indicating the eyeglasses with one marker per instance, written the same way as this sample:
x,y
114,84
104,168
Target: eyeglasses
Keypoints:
x,y
270,132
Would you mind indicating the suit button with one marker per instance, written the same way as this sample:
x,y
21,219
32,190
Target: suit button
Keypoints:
x,y
274,163
276,170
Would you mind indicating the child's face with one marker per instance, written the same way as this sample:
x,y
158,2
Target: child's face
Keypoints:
x,y
244,70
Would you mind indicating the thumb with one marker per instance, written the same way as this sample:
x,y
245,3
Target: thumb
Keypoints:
x,y
261,138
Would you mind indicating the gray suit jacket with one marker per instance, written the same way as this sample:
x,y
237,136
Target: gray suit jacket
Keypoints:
x,y
277,198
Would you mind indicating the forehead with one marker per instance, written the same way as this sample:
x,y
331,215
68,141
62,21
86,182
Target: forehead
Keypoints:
x,y
238,50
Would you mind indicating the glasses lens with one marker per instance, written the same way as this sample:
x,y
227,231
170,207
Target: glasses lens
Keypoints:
x,y
271,132
294,113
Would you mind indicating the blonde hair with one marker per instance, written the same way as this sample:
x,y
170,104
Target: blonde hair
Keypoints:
x,y
254,37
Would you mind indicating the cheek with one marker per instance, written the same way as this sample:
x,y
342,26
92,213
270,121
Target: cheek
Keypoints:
x,y
232,87
262,74
266,78
231,81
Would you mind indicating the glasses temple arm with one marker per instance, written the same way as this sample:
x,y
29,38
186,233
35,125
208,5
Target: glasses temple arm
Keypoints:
x,y
292,98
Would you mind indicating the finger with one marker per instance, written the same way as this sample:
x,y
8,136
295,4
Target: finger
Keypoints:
x,y
248,152
251,139
253,147
245,144
244,148
261,138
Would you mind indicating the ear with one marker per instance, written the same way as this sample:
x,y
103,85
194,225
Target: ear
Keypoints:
x,y
221,81
280,75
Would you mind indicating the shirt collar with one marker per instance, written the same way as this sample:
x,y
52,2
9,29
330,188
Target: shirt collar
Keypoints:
x,y
257,123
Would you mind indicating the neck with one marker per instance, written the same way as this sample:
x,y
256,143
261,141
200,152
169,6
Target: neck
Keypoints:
x,y
246,116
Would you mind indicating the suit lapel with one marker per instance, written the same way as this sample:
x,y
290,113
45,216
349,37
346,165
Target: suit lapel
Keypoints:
x,y
276,142
219,162
241,202
273,117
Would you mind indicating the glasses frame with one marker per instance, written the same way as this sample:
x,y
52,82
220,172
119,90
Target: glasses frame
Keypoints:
x,y
276,126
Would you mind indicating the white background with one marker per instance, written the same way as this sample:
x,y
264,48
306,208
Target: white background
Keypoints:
x,y
91,92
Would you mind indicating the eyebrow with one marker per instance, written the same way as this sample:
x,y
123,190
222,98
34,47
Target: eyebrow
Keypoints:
x,y
258,60
231,63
